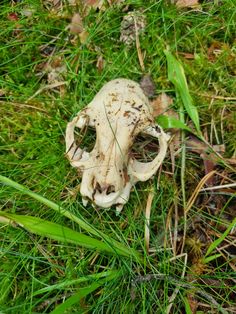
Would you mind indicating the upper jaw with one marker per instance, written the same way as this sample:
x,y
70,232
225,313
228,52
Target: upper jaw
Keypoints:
x,y
118,198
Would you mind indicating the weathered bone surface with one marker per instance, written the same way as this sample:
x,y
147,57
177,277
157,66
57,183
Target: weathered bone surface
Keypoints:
x,y
119,112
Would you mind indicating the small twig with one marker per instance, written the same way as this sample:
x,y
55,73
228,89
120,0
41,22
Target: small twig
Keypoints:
x,y
147,220
217,97
197,190
50,86
140,55
22,105
225,186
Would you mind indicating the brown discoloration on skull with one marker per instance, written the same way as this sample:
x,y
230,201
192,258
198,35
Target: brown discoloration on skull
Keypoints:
x,y
119,112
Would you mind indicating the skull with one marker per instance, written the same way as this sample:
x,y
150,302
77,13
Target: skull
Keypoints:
x,y
118,113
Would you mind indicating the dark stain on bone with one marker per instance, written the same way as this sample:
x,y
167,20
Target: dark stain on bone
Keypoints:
x,y
137,108
114,96
127,113
131,86
126,176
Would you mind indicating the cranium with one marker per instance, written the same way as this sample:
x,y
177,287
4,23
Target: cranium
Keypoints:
x,y
118,112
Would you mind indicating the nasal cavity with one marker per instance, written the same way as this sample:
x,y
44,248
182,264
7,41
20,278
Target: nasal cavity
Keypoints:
x,y
108,189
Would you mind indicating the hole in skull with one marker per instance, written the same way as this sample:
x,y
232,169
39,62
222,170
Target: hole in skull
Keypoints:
x,y
110,189
145,148
98,187
85,138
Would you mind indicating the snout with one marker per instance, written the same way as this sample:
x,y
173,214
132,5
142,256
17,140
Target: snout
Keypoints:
x,y
105,200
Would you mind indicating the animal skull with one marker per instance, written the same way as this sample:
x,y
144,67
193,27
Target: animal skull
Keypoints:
x,y
119,112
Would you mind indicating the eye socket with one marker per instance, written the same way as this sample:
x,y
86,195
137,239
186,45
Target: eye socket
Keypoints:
x,y
145,148
85,138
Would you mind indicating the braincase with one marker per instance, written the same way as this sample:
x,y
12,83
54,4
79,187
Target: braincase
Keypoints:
x,y
121,102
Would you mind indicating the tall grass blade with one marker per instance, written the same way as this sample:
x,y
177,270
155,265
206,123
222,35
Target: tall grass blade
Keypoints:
x,y
59,233
126,251
177,76
218,241
83,292
72,282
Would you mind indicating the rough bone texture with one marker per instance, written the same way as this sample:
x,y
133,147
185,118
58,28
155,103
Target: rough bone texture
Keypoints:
x,y
119,112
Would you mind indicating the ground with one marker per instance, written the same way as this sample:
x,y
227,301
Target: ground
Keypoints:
x,y
52,64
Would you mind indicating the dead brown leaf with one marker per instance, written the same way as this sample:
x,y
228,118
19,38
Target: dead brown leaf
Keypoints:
x,y
193,303
161,105
187,4
147,85
13,17
216,49
93,4
100,63
76,27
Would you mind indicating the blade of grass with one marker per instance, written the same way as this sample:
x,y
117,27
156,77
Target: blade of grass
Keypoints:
x,y
218,241
60,233
167,122
83,292
69,283
211,258
177,76
82,223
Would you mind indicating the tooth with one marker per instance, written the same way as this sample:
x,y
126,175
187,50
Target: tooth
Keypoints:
x,y
85,202
119,209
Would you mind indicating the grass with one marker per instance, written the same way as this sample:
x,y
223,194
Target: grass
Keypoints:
x,y
39,274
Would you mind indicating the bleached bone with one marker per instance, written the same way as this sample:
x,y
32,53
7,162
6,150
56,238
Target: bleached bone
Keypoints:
x,y
118,112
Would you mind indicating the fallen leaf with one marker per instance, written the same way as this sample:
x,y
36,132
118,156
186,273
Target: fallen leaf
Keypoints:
x,y
13,17
76,25
193,303
99,4
147,85
210,160
83,37
100,63
93,4
161,105
216,49
187,4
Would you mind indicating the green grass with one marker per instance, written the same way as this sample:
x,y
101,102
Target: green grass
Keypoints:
x,y
38,273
